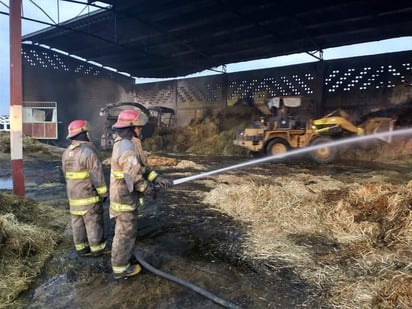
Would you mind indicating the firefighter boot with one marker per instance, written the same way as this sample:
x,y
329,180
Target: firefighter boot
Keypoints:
x,y
84,252
103,251
132,270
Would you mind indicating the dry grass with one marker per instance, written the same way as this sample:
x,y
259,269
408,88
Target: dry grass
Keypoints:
x,y
186,164
209,136
154,161
28,234
24,250
377,150
30,146
353,242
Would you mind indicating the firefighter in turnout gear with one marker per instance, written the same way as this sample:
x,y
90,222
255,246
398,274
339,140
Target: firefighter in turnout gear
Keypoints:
x,y
130,180
86,190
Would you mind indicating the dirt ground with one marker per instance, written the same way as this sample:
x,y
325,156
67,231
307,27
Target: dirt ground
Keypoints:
x,y
185,233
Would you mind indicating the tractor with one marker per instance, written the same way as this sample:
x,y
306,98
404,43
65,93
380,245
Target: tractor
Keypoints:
x,y
280,134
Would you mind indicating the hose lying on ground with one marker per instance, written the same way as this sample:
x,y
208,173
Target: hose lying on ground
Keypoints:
x,y
189,285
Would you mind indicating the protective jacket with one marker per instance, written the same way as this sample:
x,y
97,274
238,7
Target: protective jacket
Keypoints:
x,y
84,177
86,188
127,182
127,185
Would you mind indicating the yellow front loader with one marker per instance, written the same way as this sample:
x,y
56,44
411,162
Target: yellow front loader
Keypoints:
x,y
276,136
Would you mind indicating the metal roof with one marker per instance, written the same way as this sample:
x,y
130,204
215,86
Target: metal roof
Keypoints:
x,y
171,38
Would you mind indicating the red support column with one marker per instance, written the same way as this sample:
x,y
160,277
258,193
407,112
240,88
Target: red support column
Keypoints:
x,y
16,99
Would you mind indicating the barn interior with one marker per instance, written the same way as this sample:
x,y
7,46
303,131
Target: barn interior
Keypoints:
x,y
319,235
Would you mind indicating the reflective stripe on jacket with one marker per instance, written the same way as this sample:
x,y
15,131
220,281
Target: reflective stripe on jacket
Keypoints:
x,y
146,170
126,179
84,176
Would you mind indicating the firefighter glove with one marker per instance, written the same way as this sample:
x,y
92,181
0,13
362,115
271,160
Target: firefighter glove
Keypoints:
x,y
149,191
163,182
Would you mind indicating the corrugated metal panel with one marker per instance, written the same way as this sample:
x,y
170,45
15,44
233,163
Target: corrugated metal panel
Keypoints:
x,y
170,38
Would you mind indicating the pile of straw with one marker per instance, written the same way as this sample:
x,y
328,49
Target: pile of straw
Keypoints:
x,y
28,234
186,164
30,145
209,136
377,150
161,161
354,242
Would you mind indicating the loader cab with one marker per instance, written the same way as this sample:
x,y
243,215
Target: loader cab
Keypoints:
x,y
162,116
287,112
111,112
158,116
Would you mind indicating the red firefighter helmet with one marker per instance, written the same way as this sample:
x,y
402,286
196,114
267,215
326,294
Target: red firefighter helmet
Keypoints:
x,y
76,127
130,118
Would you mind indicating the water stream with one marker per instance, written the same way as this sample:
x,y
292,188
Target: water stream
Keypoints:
x,y
340,142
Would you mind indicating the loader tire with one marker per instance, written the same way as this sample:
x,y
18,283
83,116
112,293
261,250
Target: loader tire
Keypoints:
x,y
277,146
323,155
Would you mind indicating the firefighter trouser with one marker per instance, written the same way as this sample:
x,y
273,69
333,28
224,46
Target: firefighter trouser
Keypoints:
x,y
125,232
88,229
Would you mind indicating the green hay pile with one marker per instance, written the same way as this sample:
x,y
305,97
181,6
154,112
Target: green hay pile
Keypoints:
x,y
354,242
208,136
28,234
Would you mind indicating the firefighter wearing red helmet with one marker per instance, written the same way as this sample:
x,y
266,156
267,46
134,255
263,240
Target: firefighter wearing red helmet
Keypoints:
x,y
130,180
86,190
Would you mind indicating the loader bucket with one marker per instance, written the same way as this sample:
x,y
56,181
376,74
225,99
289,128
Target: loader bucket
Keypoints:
x,y
380,124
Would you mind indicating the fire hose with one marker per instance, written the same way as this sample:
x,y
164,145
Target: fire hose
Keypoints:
x,y
195,288
209,295
177,280
182,282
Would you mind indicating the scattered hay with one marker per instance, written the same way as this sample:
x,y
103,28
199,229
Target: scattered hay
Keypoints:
x,y
53,151
23,209
353,242
161,161
378,150
185,164
28,234
396,289
24,249
4,142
